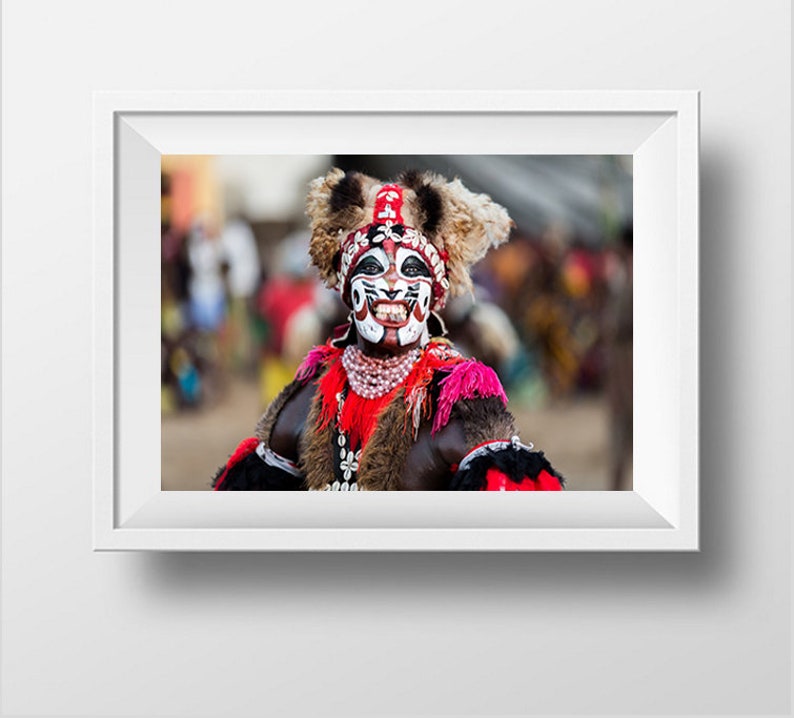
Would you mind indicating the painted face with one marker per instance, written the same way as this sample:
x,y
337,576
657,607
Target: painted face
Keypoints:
x,y
390,291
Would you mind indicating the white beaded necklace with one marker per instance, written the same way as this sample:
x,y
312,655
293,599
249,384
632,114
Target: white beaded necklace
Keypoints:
x,y
371,377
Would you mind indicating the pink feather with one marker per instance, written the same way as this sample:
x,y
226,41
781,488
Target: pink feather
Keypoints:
x,y
312,362
468,380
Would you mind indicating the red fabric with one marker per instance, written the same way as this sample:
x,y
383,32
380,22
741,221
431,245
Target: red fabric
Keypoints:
x,y
496,480
388,205
244,448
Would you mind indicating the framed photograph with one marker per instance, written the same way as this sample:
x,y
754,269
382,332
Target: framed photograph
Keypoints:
x,y
143,144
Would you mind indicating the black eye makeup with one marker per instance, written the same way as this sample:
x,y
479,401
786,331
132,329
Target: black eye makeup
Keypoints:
x,y
369,266
414,267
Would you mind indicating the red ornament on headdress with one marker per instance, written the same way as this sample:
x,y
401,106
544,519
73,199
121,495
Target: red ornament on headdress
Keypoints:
x,y
388,205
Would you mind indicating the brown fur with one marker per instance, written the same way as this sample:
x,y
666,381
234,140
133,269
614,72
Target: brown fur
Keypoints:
x,y
316,449
329,225
264,427
348,192
323,251
484,420
424,199
471,225
466,224
383,461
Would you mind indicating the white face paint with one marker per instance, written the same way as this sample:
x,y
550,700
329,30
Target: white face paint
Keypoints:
x,y
390,291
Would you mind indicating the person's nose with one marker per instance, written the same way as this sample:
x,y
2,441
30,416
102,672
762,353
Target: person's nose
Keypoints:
x,y
391,277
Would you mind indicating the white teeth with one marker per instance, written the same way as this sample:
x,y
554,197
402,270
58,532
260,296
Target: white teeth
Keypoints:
x,y
391,312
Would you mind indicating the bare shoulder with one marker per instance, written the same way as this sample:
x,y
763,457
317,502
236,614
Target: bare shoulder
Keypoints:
x,y
290,421
283,423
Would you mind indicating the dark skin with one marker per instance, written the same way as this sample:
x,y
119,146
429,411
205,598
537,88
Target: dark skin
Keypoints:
x,y
427,467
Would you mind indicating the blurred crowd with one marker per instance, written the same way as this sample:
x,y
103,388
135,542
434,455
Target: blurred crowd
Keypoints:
x,y
552,314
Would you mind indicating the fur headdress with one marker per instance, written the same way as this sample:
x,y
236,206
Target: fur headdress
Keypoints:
x,y
451,227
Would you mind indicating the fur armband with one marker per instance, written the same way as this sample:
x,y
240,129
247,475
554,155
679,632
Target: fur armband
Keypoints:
x,y
505,466
255,467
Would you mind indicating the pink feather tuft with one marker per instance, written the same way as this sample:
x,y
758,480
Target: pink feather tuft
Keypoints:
x,y
468,380
314,359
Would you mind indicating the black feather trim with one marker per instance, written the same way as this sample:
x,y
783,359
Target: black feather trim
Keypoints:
x,y
253,474
217,476
411,178
347,192
517,464
428,199
430,203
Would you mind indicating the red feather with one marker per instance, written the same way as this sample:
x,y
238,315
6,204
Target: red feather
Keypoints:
x,y
244,448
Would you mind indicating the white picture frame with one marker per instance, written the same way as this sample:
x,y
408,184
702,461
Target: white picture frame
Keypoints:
x,y
131,132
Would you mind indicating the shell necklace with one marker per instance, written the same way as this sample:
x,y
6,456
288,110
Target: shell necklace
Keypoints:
x,y
371,377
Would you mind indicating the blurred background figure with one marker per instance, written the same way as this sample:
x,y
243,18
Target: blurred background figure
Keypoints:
x,y
478,327
207,304
241,257
619,335
241,305
288,305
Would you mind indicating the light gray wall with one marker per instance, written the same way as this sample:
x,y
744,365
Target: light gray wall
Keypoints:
x,y
123,634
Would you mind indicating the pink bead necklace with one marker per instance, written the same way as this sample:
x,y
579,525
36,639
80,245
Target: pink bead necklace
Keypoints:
x,y
371,377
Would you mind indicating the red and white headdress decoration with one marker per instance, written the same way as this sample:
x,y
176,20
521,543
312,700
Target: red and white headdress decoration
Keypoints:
x,y
451,227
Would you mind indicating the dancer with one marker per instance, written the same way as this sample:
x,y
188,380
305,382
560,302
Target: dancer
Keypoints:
x,y
388,403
